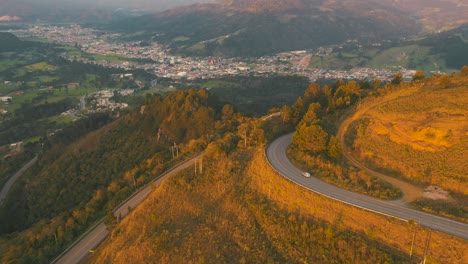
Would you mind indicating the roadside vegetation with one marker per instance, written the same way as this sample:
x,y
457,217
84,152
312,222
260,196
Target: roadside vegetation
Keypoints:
x,y
316,117
12,158
237,209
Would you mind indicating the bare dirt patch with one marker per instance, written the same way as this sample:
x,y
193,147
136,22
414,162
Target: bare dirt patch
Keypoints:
x,y
436,193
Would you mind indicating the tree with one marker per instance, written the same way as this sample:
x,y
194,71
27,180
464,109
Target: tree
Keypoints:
x,y
286,114
311,139
464,70
376,84
227,112
397,79
297,110
111,220
243,132
334,148
419,75
444,81
310,117
311,93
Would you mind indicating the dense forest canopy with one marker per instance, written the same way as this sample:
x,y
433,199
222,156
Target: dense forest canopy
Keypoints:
x,y
86,175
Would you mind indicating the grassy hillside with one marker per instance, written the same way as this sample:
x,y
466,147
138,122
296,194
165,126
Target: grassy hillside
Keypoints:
x,y
80,178
419,131
428,124
240,211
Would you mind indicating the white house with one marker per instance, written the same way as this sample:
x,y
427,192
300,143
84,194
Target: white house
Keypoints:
x,y
6,98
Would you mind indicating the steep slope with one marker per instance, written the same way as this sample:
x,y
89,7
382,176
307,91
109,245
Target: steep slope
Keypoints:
x,y
253,28
428,124
75,184
418,131
240,211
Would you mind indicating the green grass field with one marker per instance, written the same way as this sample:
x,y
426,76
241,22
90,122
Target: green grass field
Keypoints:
x,y
46,78
40,66
114,58
32,140
72,51
61,119
219,84
181,39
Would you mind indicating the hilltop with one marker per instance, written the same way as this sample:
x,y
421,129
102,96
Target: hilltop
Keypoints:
x,y
419,132
239,210
427,123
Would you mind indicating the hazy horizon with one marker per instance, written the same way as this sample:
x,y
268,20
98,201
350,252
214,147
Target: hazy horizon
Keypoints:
x,y
155,5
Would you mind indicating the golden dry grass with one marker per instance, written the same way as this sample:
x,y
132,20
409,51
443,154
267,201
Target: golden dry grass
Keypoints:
x,y
260,217
419,130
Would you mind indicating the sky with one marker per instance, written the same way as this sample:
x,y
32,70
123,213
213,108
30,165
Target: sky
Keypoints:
x,y
137,4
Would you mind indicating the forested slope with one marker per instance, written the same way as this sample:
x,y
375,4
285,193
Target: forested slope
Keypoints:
x,y
76,183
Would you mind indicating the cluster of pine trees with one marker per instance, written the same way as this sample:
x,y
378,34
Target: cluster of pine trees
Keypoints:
x,y
316,148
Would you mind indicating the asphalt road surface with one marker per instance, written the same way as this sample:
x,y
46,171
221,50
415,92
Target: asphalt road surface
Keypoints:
x,y
276,154
12,180
91,240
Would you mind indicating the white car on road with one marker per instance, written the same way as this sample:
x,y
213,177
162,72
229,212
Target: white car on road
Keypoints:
x,y
306,174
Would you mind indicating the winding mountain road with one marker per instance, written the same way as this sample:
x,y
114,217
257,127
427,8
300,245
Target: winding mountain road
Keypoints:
x,y
14,178
81,248
276,154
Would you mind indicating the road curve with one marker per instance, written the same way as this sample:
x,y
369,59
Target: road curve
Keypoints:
x,y
6,188
276,154
80,249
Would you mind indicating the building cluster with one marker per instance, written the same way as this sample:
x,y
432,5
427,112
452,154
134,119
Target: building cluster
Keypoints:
x,y
156,58
102,100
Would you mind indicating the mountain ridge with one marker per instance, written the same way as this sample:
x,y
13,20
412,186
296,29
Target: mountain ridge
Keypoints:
x,y
243,28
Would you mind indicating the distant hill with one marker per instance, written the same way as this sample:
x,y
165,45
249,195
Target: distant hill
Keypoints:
x,y
445,51
452,45
254,28
434,14
9,42
27,11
